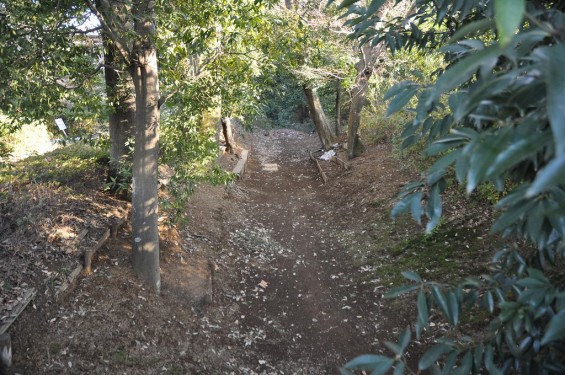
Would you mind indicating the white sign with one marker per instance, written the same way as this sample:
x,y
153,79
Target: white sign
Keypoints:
x,y
60,124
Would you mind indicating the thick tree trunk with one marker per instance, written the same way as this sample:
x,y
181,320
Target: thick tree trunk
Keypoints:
x,y
319,118
145,162
338,129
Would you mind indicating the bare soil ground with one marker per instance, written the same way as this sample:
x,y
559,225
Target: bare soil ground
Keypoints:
x,y
276,274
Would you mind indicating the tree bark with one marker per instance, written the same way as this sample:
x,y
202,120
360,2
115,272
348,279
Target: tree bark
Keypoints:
x,y
364,69
338,129
319,118
227,131
121,95
145,76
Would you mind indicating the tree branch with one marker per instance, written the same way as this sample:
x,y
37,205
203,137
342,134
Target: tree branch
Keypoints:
x,y
118,42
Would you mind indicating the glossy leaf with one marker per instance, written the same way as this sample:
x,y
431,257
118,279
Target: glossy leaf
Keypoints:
x,y
400,291
463,70
432,355
373,362
555,330
412,276
508,16
549,176
555,81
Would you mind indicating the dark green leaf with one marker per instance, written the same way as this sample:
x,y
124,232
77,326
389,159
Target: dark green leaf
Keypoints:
x,y
401,290
463,70
478,356
422,309
412,276
489,301
416,207
517,151
471,28
346,3
374,6
369,362
555,330
441,302
433,209
383,367
555,80
405,338
444,162
393,347
432,355
398,368
454,307
549,176
397,89
508,17
401,100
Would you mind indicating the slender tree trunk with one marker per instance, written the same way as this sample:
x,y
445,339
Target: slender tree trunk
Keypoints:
x,y
121,95
319,118
364,68
145,185
227,131
338,129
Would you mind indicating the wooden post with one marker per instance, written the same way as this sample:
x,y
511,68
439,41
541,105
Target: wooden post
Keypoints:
x,y
90,252
322,173
5,352
241,164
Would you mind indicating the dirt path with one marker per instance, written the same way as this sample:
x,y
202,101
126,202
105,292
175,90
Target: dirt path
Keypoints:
x,y
297,291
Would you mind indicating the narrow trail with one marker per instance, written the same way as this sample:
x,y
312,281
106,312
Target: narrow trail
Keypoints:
x,y
297,297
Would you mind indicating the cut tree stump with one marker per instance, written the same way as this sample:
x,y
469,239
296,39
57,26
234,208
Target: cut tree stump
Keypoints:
x,y
241,164
322,173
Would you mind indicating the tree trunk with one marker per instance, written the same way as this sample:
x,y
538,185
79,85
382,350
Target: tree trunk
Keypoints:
x,y
145,76
364,68
338,129
121,95
228,135
319,118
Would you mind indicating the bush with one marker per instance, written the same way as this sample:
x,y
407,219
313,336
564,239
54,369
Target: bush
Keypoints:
x,y
495,115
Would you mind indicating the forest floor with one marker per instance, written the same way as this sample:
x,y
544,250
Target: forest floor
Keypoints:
x,y
277,274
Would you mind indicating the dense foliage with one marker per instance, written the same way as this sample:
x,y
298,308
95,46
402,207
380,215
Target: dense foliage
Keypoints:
x,y
494,115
